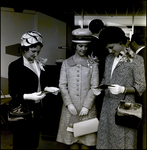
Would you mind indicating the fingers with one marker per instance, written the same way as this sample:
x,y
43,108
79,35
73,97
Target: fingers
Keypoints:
x,y
84,111
72,109
97,91
116,89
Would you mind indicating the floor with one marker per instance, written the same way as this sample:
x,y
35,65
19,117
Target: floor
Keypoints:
x,y
7,142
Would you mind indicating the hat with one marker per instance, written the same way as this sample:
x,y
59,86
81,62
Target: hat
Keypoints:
x,y
81,35
31,37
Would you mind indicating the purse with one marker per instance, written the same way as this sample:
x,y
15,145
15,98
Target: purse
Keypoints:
x,y
85,127
128,114
19,113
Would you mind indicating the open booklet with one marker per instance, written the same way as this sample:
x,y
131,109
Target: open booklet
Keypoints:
x,y
52,90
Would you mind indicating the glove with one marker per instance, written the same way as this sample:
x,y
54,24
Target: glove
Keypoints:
x,y
36,96
84,111
97,91
116,89
72,109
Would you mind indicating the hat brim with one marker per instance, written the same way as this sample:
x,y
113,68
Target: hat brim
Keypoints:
x,y
81,41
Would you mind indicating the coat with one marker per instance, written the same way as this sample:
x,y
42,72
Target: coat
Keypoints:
x,y
23,80
76,84
110,135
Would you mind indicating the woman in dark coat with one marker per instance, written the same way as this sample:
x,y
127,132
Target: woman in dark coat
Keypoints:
x,y
78,79
124,70
27,78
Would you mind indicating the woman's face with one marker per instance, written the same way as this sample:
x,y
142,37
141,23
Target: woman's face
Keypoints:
x,y
81,49
114,48
32,53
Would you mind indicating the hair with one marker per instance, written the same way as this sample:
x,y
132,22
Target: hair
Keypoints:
x,y
73,48
26,48
138,38
111,35
96,25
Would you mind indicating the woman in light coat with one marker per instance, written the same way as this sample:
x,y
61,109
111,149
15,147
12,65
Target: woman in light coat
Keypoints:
x,y
124,70
78,78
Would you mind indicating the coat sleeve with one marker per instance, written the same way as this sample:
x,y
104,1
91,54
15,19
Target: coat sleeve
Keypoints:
x,y
14,84
139,75
63,85
94,84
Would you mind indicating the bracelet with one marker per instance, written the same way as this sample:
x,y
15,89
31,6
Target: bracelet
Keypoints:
x,y
125,91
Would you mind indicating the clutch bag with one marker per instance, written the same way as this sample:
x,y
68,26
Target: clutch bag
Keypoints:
x,y
18,113
128,114
85,127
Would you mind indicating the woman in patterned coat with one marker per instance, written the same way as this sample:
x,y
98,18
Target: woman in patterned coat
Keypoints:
x,y
124,70
78,78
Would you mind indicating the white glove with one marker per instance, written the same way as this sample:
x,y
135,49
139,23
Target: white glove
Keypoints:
x,y
72,109
36,96
97,91
84,111
116,89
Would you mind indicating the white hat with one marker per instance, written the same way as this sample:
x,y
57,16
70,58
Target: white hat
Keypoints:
x,y
81,35
31,37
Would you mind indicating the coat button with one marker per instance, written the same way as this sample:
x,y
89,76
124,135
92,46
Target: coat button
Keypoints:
x,y
78,75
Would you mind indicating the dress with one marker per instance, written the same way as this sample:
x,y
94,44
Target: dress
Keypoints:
x,y
110,135
76,84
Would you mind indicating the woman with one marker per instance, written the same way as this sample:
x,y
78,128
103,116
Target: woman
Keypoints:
x,y
124,71
78,78
27,78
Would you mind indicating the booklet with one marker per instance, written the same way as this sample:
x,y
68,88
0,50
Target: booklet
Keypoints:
x,y
105,86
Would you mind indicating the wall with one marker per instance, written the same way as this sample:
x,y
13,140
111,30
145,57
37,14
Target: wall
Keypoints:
x,y
54,35
14,24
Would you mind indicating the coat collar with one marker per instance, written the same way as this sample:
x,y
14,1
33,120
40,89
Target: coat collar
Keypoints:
x,y
71,62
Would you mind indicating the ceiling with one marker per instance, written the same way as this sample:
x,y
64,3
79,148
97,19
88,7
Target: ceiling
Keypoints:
x,y
60,10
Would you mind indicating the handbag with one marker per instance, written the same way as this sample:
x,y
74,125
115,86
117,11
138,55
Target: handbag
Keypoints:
x,y
19,113
85,127
128,114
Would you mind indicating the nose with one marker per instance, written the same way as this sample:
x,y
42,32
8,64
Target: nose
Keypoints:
x,y
110,50
35,54
83,48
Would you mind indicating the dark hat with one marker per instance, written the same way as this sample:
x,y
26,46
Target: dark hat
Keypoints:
x,y
81,35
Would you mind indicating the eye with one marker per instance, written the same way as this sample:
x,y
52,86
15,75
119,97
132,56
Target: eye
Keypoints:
x,y
80,45
110,47
33,51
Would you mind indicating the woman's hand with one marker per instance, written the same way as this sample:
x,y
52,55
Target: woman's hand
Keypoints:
x,y
97,91
84,111
72,109
36,96
116,89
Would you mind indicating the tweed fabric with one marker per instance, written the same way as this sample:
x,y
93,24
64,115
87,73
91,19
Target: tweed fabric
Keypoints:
x,y
110,135
76,84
